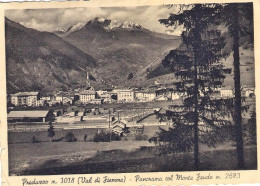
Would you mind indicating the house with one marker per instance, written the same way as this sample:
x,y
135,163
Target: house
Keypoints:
x,y
59,98
249,92
105,96
119,127
46,98
86,96
25,98
67,100
145,96
125,96
40,102
226,92
175,95
29,116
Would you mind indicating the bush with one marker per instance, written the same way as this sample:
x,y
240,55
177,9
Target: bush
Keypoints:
x,y
106,137
115,137
70,137
141,137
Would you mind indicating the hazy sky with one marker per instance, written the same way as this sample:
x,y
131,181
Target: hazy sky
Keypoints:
x,y
52,19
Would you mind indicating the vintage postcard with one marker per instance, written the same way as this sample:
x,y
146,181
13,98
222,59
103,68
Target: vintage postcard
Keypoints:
x,y
129,92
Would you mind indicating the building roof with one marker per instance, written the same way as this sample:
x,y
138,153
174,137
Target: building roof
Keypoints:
x,y
119,125
226,88
90,88
28,114
87,92
145,92
116,122
25,94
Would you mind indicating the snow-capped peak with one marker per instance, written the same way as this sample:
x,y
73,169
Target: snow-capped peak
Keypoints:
x,y
114,24
124,25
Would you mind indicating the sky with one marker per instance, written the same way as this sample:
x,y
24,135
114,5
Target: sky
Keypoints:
x,y
53,19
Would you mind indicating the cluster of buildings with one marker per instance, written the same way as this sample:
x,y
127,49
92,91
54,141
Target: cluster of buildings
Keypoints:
x,y
90,96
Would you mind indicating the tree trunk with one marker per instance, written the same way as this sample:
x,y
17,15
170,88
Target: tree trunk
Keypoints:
x,y
237,114
196,51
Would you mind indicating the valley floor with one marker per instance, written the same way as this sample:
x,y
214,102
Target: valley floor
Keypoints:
x,y
50,158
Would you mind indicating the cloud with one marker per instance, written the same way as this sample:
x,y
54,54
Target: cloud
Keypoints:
x,y
52,19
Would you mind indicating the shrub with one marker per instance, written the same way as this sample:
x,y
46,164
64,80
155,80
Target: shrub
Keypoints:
x,y
141,137
101,137
115,137
70,137
106,137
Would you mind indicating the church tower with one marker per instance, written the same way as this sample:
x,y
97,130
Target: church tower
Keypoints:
x,y
87,80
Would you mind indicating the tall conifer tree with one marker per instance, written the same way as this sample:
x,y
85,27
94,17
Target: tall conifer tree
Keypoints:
x,y
239,20
197,67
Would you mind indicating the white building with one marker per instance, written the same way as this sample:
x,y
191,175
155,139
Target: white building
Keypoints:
x,y
46,98
59,98
67,100
125,96
249,92
175,95
145,96
40,102
87,96
226,92
25,98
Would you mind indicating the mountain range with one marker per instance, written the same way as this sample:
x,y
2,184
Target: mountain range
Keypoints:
x,y
109,50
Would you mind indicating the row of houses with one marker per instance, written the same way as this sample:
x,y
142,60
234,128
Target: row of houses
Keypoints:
x,y
229,92
91,96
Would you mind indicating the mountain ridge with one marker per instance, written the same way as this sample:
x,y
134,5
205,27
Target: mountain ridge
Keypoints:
x,y
41,60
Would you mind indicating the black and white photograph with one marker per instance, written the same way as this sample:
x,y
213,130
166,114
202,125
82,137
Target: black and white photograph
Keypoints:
x,y
130,89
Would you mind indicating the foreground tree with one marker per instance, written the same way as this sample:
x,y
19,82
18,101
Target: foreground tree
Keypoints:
x,y
239,20
196,64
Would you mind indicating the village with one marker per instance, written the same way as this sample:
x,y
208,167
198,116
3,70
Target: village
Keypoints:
x,y
126,118
90,108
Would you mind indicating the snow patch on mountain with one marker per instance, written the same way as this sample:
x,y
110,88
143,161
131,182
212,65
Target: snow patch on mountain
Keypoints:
x,y
75,28
114,24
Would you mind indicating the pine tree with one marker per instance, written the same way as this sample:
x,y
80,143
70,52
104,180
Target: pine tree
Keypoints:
x,y
196,64
239,20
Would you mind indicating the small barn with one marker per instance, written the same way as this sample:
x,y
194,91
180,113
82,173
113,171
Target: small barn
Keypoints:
x,y
29,116
119,127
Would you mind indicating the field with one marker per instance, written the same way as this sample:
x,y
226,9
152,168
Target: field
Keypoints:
x,y
123,156
127,155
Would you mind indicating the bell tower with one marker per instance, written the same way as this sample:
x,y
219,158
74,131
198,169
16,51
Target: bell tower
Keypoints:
x,y
87,80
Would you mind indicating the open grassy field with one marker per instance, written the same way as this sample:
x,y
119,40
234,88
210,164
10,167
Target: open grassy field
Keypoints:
x,y
42,136
126,160
127,155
